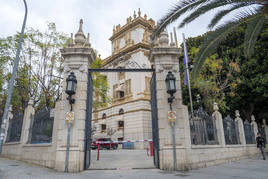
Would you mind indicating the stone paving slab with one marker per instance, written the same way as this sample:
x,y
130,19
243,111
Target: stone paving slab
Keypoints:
x,y
124,159
254,168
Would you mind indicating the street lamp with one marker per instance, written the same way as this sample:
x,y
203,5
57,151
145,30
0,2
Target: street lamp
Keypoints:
x,y
171,89
171,86
71,83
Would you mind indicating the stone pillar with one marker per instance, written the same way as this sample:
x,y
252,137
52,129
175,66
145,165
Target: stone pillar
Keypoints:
x,y
9,116
219,125
77,58
165,58
265,128
240,127
254,124
27,121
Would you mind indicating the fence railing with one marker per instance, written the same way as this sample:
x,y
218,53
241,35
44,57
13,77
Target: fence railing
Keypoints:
x,y
42,126
15,128
249,133
203,128
231,131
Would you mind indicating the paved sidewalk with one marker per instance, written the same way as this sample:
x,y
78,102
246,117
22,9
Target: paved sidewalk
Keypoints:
x,y
113,159
246,169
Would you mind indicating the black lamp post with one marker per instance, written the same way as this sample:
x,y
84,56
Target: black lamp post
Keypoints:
x,y
171,86
71,83
171,89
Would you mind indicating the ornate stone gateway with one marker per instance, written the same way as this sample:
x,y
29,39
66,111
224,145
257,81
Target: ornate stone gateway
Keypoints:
x,y
88,130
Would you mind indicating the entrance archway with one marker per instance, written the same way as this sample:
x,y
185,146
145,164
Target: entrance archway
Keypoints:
x,y
88,127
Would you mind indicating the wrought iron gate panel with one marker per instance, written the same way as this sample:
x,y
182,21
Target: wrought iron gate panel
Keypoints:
x,y
230,131
154,121
203,128
89,113
249,134
14,128
88,122
42,126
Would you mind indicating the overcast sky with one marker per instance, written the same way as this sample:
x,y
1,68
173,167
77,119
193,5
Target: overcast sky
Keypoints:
x,y
99,17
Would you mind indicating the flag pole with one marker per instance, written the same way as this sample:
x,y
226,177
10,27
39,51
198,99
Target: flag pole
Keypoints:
x,y
188,75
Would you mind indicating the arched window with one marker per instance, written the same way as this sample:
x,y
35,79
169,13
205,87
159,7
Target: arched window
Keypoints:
x,y
104,116
121,111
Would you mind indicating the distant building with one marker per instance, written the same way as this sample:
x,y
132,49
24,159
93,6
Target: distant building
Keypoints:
x,y
128,117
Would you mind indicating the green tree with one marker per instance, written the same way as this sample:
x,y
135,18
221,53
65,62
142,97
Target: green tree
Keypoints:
x,y
100,86
252,12
40,68
231,79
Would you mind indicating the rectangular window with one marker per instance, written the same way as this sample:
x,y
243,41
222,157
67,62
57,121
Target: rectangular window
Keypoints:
x,y
121,94
103,127
121,124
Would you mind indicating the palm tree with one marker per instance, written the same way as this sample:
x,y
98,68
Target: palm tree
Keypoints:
x,y
252,12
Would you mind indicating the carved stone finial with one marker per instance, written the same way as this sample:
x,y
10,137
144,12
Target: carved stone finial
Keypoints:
x,y
139,12
237,114
134,15
145,16
215,107
172,43
114,30
163,39
87,44
99,56
79,36
71,44
80,26
253,118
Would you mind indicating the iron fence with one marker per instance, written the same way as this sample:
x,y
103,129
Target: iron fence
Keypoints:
x,y
15,127
42,126
231,131
249,133
203,128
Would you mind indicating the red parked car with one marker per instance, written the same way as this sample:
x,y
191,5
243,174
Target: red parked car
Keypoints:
x,y
107,144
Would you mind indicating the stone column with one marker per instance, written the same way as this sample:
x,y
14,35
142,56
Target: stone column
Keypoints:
x,y
27,121
265,128
77,58
255,126
9,116
219,125
240,127
165,58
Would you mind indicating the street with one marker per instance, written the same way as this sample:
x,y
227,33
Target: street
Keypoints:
x,y
254,168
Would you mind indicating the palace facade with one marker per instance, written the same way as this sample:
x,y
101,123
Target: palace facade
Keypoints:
x,y
128,117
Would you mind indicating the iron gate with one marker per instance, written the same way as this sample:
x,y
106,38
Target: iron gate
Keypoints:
x,y
89,113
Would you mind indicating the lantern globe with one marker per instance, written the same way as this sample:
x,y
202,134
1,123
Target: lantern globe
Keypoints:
x,y
71,83
171,83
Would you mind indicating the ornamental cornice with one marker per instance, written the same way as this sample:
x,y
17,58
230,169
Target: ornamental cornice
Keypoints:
x,y
146,23
125,51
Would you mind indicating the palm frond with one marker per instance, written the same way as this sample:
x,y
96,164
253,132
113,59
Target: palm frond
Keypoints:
x,y
224,12
202,10
252,32
175,13
210,6
214,38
